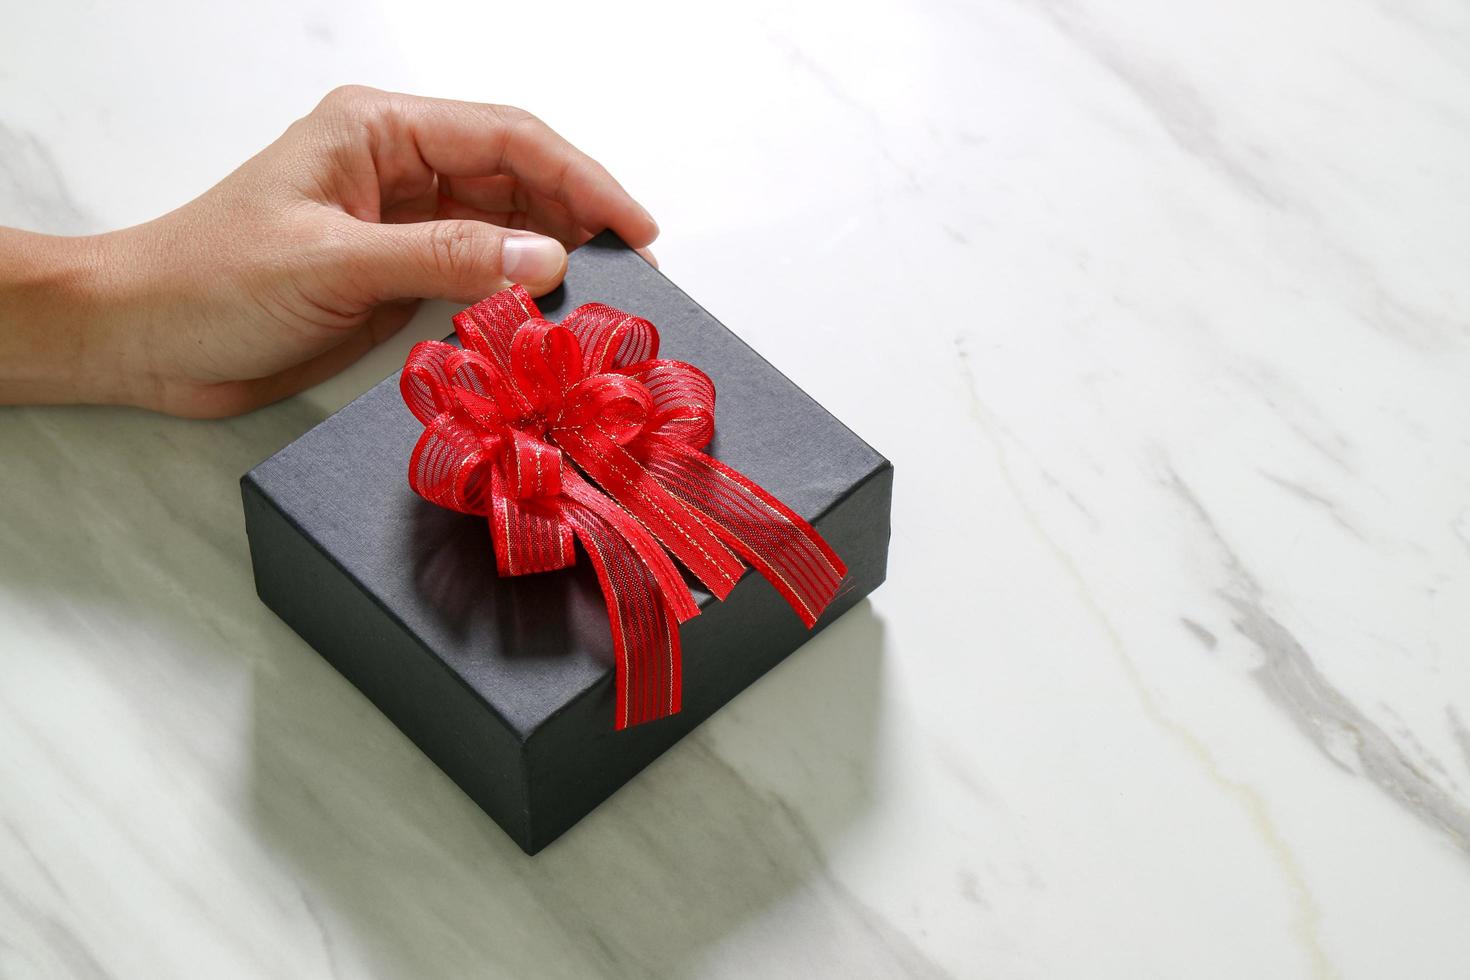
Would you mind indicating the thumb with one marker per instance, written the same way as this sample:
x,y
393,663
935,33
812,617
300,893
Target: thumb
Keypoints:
x,y
458,259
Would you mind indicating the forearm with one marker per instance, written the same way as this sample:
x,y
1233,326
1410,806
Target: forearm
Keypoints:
x,y
53,323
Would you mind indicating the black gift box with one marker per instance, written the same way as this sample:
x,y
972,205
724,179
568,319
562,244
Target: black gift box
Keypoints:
x,y
506,683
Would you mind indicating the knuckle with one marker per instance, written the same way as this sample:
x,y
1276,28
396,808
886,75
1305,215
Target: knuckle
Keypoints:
x,y
347,105
455,251
342,119
348,95
512,116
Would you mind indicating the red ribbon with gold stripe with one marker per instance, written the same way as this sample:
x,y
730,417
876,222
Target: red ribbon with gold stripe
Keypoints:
x,y
576,430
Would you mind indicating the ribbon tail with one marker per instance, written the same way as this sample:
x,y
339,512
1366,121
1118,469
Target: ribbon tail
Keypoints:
x,y
680,527
645,546
648,673
773,538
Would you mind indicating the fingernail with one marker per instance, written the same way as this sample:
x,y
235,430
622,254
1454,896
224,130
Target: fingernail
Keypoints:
x,y
531,258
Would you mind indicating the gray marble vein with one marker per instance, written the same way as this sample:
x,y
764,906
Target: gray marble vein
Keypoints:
x,y
1290,678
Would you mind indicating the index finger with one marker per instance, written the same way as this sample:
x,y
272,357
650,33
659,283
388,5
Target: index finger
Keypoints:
x,y
471,139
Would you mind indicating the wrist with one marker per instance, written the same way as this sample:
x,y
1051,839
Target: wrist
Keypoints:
x,y
58,330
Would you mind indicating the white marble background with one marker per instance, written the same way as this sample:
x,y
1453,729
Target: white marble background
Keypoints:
x,y
1160,310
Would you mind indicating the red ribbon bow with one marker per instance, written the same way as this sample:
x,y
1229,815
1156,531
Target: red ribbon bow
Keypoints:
x,y
506,416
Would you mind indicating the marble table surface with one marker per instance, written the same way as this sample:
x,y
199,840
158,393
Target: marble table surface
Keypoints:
x,y
1161,312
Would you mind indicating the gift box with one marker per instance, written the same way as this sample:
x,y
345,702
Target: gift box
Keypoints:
x,y
507,683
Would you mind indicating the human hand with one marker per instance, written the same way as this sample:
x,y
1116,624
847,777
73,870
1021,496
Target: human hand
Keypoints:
x,y
308,255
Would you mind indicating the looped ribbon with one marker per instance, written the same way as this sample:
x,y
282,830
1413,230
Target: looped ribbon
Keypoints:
x,y
529,419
